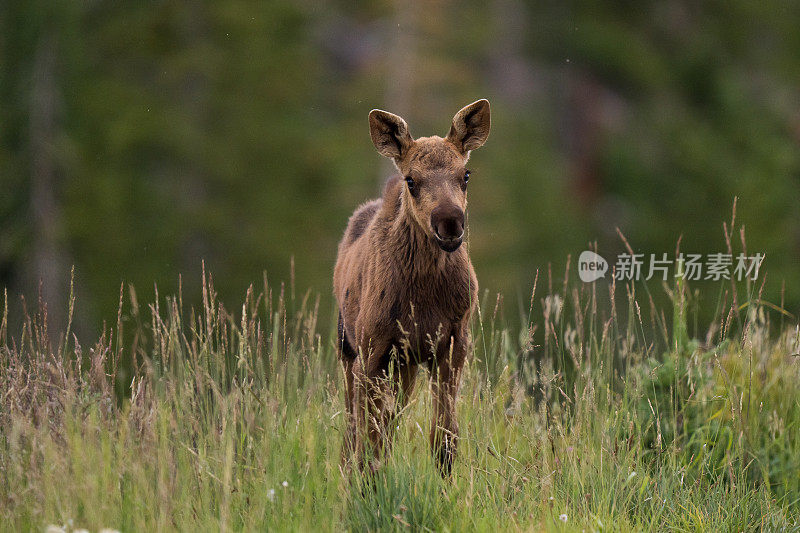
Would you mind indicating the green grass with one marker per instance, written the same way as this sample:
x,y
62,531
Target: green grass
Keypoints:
x,y
575,415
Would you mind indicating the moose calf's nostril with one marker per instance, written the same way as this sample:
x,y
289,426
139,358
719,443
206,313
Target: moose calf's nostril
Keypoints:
x,y
449,229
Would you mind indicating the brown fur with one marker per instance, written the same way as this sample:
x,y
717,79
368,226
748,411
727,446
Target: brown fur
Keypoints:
x,y
403,300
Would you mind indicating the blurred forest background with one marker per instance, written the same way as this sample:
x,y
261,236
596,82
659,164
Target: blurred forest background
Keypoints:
x,y
139,138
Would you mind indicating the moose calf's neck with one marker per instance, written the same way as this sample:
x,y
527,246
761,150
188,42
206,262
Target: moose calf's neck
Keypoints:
x,y
403,242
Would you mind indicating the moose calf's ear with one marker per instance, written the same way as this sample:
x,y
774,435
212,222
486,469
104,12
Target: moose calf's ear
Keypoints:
x,y
470,127
389,134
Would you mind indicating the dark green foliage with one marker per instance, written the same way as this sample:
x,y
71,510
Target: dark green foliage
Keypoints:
x,y
236,132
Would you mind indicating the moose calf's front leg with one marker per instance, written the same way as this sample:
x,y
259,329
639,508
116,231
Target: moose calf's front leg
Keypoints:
x,y
380,396
445,376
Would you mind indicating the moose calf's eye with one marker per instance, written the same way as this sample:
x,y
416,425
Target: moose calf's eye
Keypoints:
x,y
466,176
410,182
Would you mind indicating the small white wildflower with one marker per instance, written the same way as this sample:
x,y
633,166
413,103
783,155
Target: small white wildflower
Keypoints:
x,y
563,518
285,484
54,529
271,495
109,530
631,476
80,530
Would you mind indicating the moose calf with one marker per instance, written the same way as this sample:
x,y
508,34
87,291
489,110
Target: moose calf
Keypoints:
x,y
405,286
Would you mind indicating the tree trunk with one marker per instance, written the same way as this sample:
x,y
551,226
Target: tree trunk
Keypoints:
x,y
400,70
48,263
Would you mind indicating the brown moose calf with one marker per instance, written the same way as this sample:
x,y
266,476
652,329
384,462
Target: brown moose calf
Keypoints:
x,y
405,285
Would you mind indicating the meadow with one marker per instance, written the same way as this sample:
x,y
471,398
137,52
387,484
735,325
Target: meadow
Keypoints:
x,y
586,408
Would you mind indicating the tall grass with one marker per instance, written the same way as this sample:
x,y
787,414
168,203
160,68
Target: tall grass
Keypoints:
x,y
588,410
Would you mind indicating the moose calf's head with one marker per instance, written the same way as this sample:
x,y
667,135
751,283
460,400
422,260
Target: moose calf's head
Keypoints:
x,y
434,168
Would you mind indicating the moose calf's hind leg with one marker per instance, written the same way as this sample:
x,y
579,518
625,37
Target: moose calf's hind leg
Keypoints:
x,y
350,431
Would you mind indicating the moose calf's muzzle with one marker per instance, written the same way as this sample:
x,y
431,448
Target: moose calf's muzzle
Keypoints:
x,y
447,222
